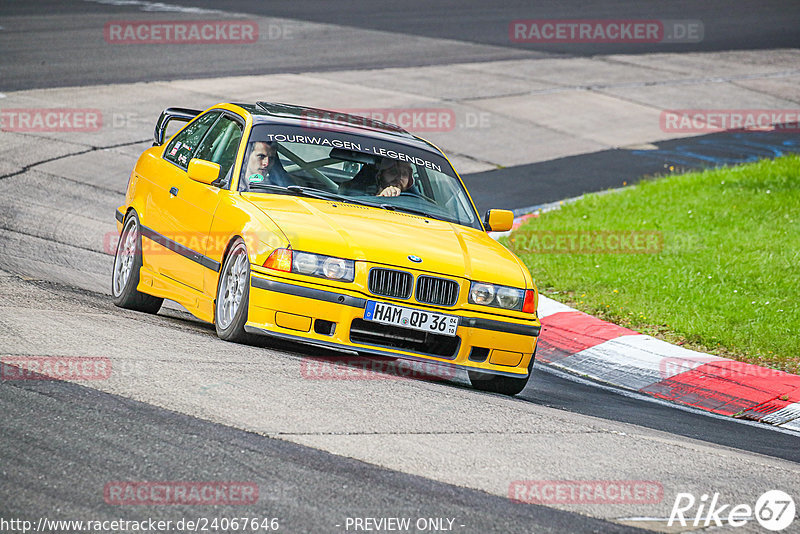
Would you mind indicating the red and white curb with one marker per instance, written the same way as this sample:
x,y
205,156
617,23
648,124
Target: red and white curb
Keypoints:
x,y
585,345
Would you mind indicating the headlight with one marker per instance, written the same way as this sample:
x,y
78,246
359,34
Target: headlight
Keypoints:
x,y
509,298
305,263
335,268
481,294
311,264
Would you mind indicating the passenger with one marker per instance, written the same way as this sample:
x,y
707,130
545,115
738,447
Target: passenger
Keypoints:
x,y
388,179
264,166
394,177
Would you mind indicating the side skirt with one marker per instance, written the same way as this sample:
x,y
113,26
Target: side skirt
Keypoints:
x,y
196,302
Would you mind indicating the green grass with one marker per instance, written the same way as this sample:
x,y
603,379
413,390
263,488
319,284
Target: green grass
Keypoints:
x,y
727,279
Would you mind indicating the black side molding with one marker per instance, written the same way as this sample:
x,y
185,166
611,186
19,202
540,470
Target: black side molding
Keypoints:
x,y
178,248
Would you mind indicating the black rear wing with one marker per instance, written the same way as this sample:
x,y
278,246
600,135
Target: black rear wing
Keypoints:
x,y
170,114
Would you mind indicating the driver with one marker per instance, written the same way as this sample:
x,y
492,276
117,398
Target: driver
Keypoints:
x,y
264,166
260,158
394,177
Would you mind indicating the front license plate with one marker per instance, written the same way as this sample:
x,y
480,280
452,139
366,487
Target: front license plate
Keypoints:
x,y
437,323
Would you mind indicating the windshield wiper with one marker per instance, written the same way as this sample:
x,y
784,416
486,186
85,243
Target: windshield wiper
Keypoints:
x,y
271,187
310,192
321,194
392,207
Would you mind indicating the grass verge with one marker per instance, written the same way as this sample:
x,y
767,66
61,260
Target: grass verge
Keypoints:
x,y
715,266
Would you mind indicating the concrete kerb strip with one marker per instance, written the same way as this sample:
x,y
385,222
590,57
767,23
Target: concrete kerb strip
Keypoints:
x,y
582,344
585,345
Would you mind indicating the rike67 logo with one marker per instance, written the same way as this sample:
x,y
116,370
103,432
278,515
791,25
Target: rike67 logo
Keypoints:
x,y
774,510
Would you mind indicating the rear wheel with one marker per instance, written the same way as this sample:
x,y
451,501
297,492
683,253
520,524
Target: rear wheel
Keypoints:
x,y
505,385
127,263
233,294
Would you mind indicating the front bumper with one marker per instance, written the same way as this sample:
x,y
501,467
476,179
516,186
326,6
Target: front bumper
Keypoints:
x,y
333,318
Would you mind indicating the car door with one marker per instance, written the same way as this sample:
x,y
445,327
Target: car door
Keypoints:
x,y
161,253
190,210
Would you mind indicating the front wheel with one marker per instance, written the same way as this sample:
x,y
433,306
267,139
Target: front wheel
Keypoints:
x,y
127,263
505,385
233,294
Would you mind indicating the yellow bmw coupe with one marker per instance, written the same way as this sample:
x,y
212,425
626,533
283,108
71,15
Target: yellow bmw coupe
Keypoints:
x,y
324,228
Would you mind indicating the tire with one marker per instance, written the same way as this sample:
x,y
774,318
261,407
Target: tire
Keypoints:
x,y
125,273
233,294
505,385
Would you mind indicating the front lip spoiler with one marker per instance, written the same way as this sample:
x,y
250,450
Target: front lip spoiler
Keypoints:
x,y
358,302
373,352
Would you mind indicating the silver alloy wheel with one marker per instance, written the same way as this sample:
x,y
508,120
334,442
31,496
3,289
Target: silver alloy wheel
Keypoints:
x,y
126,252
234,282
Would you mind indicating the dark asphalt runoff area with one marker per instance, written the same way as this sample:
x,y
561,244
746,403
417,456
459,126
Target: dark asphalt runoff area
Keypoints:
x,y
63,443
549,181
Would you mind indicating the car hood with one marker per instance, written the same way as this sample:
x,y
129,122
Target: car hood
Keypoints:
x,y
389,237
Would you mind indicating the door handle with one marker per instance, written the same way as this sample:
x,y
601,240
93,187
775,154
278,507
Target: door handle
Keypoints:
x,y
173,191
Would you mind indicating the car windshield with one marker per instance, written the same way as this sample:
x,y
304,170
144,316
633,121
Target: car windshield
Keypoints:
x,y
349,167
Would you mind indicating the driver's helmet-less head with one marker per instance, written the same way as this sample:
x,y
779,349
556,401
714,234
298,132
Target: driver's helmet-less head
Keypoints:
x,y
396,173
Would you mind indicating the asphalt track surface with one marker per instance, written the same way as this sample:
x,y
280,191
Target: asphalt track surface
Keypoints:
x,y
63,425
54,433
743,25
62,47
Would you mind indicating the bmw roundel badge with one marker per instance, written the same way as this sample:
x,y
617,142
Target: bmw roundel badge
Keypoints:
x,y
415,259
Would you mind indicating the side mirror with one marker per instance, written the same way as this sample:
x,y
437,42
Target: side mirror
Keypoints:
x,y
498,220
203,171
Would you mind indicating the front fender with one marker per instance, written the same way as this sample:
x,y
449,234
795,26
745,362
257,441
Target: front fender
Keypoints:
x,y
236,217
